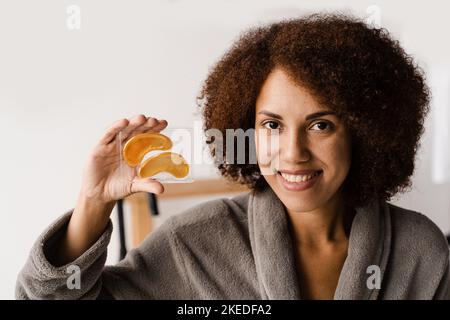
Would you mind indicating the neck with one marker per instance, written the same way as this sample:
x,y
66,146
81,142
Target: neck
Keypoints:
x,y
328,224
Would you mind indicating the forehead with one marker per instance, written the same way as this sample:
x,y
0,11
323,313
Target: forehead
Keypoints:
x,y
282,95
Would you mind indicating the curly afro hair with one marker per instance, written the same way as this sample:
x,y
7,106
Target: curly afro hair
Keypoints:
x,y
358,71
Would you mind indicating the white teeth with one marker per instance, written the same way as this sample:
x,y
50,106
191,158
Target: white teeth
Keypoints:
x,y
298,178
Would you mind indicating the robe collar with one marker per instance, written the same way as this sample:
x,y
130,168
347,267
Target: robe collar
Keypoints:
x,y
272,247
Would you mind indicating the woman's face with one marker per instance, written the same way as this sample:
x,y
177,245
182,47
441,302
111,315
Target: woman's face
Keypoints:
x,y
310,138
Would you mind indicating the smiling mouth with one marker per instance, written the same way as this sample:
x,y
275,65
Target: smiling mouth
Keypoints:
x,y
298,178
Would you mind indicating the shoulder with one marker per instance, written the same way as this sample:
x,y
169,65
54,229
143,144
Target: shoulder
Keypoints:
x,y
216,212
211,231
206,224
418,234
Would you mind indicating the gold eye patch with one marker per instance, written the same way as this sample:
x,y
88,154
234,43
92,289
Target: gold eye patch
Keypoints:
x,y
170,162
138,146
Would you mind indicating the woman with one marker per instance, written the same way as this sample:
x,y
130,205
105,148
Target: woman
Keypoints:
x,y
347,107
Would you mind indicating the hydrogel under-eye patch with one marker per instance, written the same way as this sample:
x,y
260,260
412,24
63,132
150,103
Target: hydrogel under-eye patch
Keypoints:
x,y
148,154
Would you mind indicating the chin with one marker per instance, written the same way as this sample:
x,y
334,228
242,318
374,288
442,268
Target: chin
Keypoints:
x,y
300,203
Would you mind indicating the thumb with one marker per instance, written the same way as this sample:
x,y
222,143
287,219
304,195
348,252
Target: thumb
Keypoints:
x,y
147,185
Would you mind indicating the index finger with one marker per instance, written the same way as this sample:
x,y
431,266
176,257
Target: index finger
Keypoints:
x,y
113,130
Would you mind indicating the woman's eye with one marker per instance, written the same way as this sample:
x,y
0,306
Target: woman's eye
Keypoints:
x,y
272,125
321,126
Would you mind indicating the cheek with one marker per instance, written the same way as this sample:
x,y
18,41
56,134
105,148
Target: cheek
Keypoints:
x,y
337,158
267,151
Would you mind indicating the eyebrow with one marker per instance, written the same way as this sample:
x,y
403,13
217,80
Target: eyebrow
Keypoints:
x,y
308,117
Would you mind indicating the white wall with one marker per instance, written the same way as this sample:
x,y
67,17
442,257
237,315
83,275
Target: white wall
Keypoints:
x,y
59,89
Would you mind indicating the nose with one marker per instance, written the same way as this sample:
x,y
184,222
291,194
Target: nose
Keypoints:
x,y
295,148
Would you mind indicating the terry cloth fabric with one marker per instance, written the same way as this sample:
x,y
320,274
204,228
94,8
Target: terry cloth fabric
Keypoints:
x,y
240,248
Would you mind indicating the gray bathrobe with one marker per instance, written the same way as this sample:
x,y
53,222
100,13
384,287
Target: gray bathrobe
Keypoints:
x,y
240,248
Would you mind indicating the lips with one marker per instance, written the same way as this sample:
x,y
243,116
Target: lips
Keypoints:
x,y
298,172
299,184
